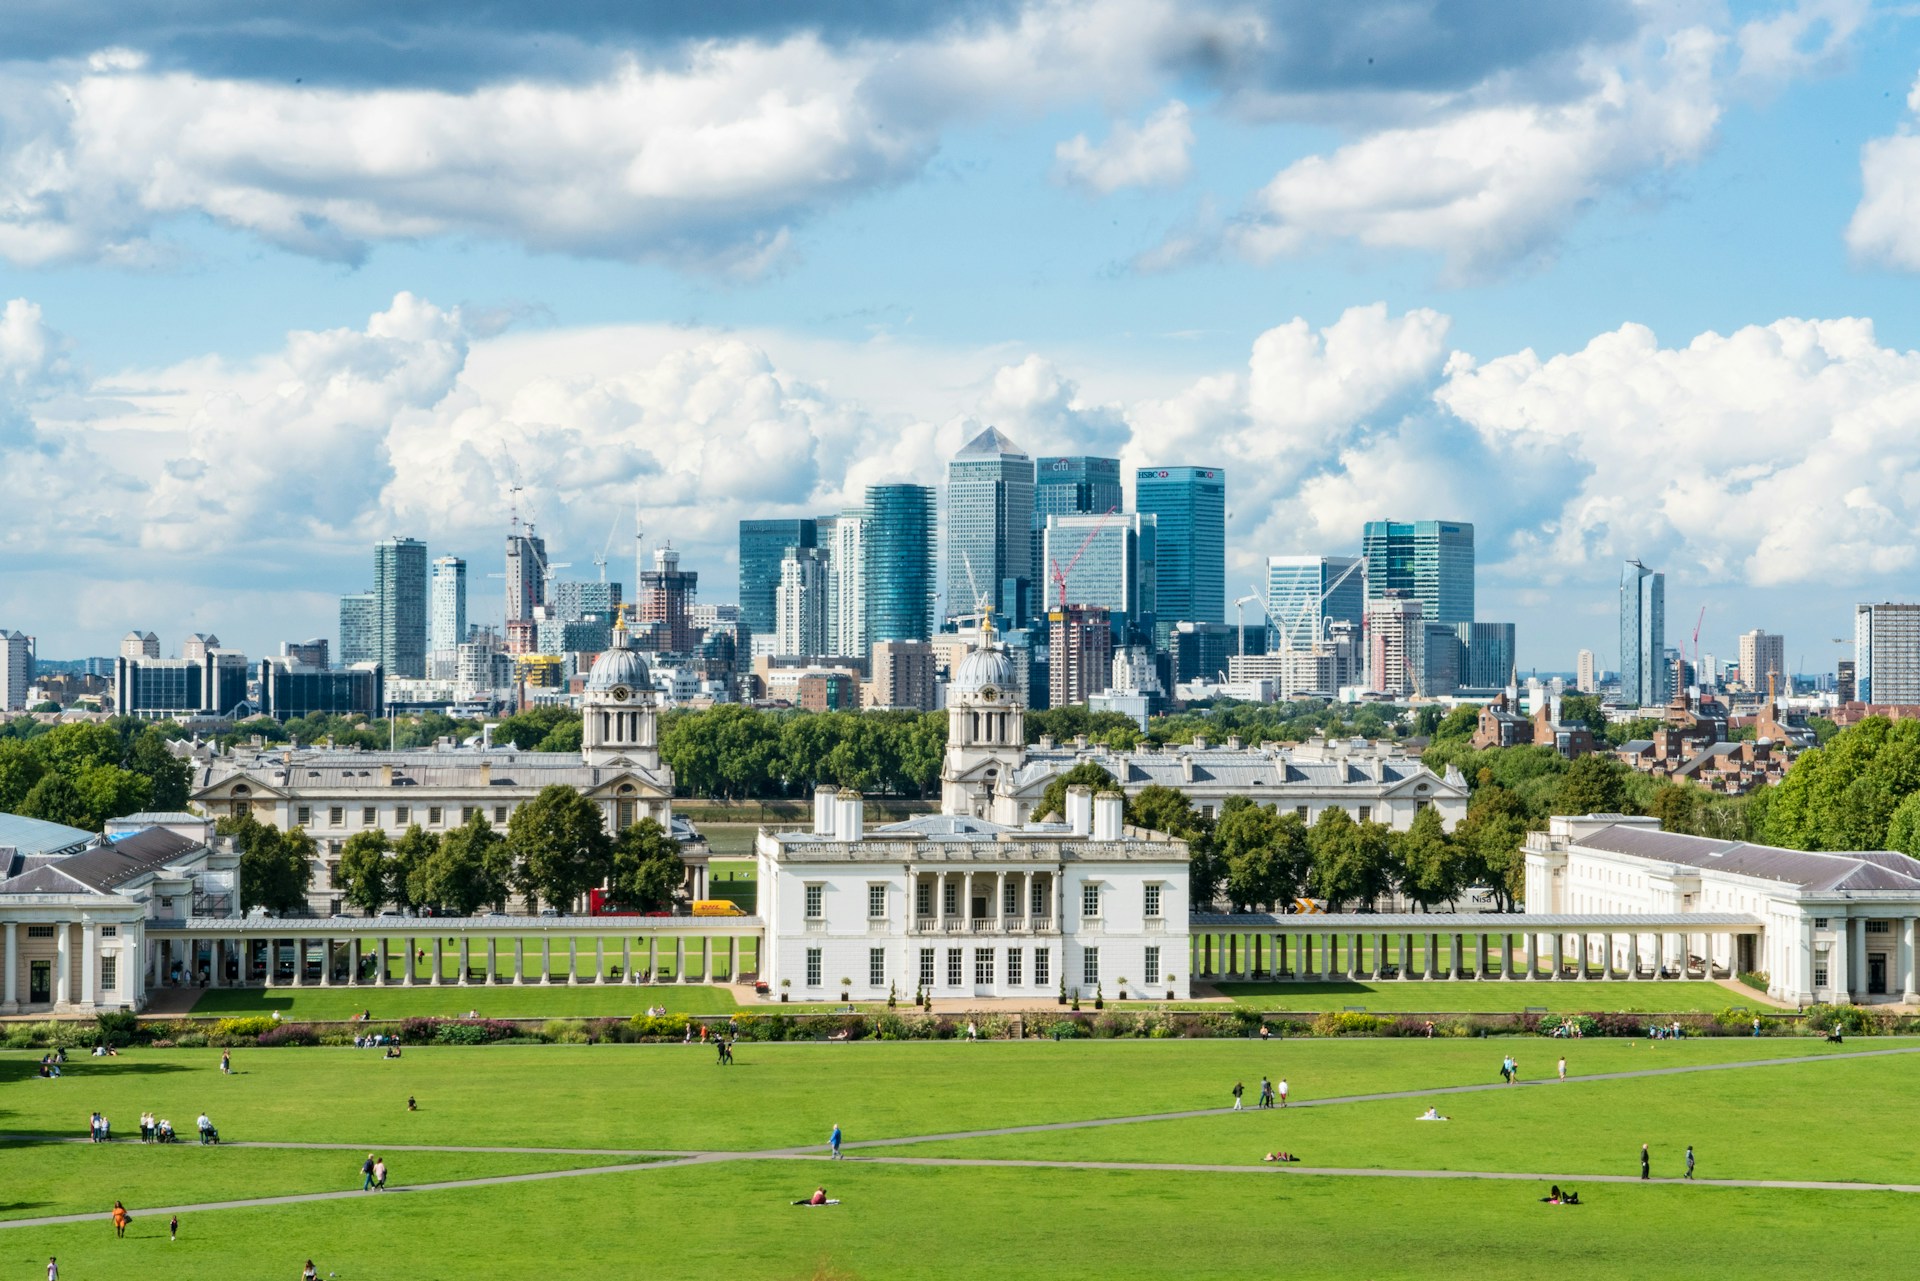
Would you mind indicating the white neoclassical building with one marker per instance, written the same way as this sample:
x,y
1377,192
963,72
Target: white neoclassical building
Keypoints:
x,y
961,905
1824,925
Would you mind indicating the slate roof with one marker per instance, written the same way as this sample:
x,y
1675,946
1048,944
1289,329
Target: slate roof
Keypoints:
x,y
110,866
1225,767
332,769
1815,871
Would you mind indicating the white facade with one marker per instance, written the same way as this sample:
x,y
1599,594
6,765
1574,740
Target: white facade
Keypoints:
x,y
446,616
800,604
848,626
16,670
1763,654
1585,678
1396,646
1833,926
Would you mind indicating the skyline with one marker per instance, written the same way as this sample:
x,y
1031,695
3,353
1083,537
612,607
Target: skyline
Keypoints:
x,y
1653,300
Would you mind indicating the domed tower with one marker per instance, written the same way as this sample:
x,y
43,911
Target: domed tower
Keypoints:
x,y
621,708
986,730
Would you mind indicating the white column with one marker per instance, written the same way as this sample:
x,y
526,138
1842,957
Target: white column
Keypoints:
x,y
599,960
1479,956
90,962
706,959
10,995
326,962
940,902
1857,953
1909,964
379,960
519,961
626,958
493,959
1000,900
733,957
573,960
546,959
680,959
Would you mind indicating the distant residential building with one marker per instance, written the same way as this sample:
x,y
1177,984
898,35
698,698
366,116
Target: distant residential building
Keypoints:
x,y
902,675
400,605
1691,745
1107,560
583,598
666,597
1846,688
1396,645
1644,672
1502,724
16,670
828,692
446,613
526,574
1189,505
1079,653
800,615
899,579
1763,654
198,645
359,629
846,583
1586,678
989,535
307,653
1133,686
289,689
763,546
1430,561
139,645
1886,651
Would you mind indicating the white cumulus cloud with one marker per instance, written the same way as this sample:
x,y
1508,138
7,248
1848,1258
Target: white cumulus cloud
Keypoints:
x,y
1153,154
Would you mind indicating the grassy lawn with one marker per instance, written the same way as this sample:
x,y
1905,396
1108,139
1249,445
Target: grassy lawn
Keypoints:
x,y
733,1219
531,1002
1416,995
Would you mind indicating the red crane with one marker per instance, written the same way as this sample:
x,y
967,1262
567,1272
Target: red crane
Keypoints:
x,y
1060,575
1696,643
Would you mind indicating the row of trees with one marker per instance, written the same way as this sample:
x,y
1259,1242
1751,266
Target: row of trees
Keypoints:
x,y
84,774
554,850
734,751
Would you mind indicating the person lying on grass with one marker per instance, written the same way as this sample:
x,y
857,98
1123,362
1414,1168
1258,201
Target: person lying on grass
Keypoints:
x,y
819,1197
1431,1114
1282,1157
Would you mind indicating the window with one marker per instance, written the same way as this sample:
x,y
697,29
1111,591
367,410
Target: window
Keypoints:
x,y
433,816
1819,922
499,814
1039,904
39,931
1152,970
1421,807
1366,813
623,814
1014,956
953,967
336,816
402,815
952,897
369,816
1301,810
1820,971
923,899
1010,898
1041,958
926,967
302,815
816,902
1153,901
1090,967
877,966
1090,900
876,902
983,966
1879,927
813,967
109,973
466,814
109,931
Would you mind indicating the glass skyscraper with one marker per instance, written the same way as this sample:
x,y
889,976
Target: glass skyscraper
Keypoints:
x,y
1114,562
1430,560
1069,486
763,545
1189,505
1305,593
989,544
359,629
447,619
897,563
1644,678
1489,648
400,605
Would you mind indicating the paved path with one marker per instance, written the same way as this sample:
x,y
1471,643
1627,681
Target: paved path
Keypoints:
x,y
813,1152
371,1147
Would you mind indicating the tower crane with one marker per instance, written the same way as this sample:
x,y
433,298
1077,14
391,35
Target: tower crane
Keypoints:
x,y
1286,625
1696,644
1240,616
600,561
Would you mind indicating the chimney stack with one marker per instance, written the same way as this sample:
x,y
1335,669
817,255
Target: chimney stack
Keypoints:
x,y
1080,809
851,823
824,804
1107,809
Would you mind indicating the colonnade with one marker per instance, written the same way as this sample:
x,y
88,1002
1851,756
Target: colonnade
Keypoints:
x,y
1323,954
1021,919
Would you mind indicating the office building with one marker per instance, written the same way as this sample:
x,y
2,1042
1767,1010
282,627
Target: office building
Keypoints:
x,y
139,645
446,613
590,598
1586,678
1487,654
666,599
898,578
1075,486
1307,593
212,684
1886,653
526,575
1079,653
16,670
1189,507
1200,651
800,606
1444,663
763,545
1396,645
846,580
359,629
1108,560
1644,671
1845,686
901,675
1763,654
400,605
289,689
989,543
307,653
1430,561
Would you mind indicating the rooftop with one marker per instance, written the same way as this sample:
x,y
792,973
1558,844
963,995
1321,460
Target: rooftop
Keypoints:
x,y
1816,871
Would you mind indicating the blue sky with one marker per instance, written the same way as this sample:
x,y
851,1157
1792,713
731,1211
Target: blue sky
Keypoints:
x,y
286,288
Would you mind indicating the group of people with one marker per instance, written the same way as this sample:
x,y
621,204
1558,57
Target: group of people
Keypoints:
x,y
372,1041
1569,1028
156,1129
100,1129
1269,1093
375,1170
1509,1069
725,1048
1557,1197
50,1064
1667,1031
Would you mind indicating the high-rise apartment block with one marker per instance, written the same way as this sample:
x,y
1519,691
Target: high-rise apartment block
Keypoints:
x,y
989,544
1645,678
1886,651
16,669
446,615
1189,505
1080,653
574,600
763,546
359,629
846,585
1306,593
902,675
139,645
1846,686
1586,678
800,605
307,653
1108,560
526,575
1763,655
898,576
1396,645
666,601
400,596
1430,561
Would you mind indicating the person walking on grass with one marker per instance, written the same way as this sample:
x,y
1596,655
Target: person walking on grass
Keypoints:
x,y
1283,1091
1238,1090
1563,1067
1266,1093
53,1269
380,1175
120,1219
1689,1160
366,1169
173,1228
226,1063
833,1141
1646,1164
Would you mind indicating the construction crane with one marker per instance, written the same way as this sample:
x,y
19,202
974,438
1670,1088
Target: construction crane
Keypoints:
x,y
1285,626
600,561
1240,616
1696,643
1060,575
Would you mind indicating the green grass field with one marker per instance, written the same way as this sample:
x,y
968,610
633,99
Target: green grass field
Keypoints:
x,y
1417,995
731,1217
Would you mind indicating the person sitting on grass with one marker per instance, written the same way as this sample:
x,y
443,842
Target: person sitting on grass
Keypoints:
x,y
1431,1114
1553,1197
819,1197
393,1052
411,1105
1282,1157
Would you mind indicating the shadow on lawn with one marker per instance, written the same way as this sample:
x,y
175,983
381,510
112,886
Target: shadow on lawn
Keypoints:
x,y
83,1069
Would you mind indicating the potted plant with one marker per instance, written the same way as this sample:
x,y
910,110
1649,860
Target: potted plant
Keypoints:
x,y
1063,991
846,989
891,1002
1170,987
1076,998
784,985
1099,1001
1123,988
